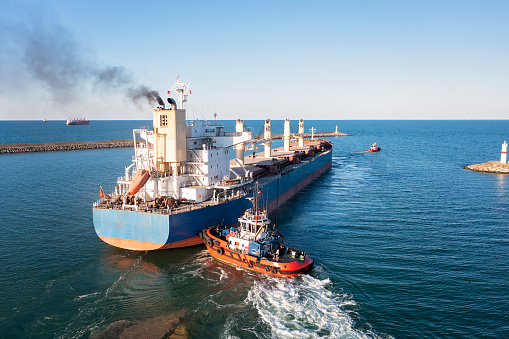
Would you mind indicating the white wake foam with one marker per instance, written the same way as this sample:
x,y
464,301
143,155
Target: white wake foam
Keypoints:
x,y
303,308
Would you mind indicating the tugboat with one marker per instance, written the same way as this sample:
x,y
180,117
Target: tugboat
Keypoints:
x,y
374,148
252,245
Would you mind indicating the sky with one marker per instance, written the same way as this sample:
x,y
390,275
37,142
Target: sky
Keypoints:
x,y
330,60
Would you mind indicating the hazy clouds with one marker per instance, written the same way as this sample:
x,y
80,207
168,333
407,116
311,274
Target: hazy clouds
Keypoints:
x,y
38,54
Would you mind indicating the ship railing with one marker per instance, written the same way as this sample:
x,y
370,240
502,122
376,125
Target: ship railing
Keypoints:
x,y
229,134
208,148
177,210
195,158
168,211
187,207
142,129
102,199
197,169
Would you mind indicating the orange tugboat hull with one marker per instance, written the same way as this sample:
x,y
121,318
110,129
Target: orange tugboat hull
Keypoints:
x,y
284,267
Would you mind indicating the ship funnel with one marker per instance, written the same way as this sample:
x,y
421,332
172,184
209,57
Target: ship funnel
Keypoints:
x,y
173,104
160,101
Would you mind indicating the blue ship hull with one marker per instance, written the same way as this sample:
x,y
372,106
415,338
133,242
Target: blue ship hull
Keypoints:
x,y
150,231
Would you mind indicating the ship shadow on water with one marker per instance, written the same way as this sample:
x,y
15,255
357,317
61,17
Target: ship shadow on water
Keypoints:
x,y
179,292
142,290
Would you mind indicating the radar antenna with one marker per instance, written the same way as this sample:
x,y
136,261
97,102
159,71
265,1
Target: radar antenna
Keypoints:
x,y
181,88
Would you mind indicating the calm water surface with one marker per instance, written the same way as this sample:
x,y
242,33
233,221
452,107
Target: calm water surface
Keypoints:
x,y
407,243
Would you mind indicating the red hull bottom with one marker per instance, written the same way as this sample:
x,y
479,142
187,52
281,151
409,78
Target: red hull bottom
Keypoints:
x,y
284,267
136,245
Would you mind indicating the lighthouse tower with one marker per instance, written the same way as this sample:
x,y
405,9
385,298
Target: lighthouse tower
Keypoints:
x,y
503,155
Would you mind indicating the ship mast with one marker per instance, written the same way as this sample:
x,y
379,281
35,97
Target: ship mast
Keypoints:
x,y
181,88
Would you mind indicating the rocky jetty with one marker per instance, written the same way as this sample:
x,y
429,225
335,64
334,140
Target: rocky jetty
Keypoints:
x,y
81,145
64,146
307,135
490,167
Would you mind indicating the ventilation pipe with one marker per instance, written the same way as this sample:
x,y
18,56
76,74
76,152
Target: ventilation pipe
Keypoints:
x,y
287,136
173,104
301,133
160,101
267,135
239,128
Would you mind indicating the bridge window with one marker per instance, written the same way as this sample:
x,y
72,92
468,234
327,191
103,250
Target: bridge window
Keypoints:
x,y
164,120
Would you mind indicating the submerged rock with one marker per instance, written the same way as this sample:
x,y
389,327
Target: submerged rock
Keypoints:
x,y
166,326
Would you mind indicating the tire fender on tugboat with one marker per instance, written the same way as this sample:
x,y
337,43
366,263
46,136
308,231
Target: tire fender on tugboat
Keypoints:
x,y
209,243
220,250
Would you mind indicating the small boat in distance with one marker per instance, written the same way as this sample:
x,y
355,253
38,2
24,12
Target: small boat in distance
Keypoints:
x,y
79,121
252,245
374,148
44,120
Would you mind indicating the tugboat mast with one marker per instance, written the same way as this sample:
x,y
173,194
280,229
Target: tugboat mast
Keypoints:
x,y
256,198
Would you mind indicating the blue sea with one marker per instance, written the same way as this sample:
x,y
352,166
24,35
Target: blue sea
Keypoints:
x,y
407,243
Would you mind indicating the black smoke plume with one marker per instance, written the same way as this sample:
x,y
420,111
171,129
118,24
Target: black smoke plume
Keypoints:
x,y
142,92
49,54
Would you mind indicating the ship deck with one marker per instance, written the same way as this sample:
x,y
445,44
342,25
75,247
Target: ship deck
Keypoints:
x,y
252,164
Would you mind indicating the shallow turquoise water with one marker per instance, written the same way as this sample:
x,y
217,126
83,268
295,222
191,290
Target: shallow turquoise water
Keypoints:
x,y
407,243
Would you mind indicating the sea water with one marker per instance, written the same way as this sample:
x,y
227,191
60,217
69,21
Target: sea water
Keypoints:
x,y
406,243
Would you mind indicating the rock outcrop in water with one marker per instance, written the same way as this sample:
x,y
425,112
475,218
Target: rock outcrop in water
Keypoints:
x,y
166,326
490,167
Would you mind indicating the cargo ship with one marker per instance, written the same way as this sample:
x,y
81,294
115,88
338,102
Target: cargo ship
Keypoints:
x,y
183,179
77,121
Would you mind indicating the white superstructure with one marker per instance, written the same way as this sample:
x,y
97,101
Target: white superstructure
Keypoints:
x,y
186,160
253,235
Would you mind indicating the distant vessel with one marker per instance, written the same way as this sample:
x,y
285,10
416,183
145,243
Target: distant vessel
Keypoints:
x,y
182,178
252,245
374,148
77,121
44,120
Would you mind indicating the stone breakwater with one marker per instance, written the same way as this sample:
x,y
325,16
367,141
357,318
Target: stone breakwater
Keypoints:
x,y
64,146
490,167
81,145
307,135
